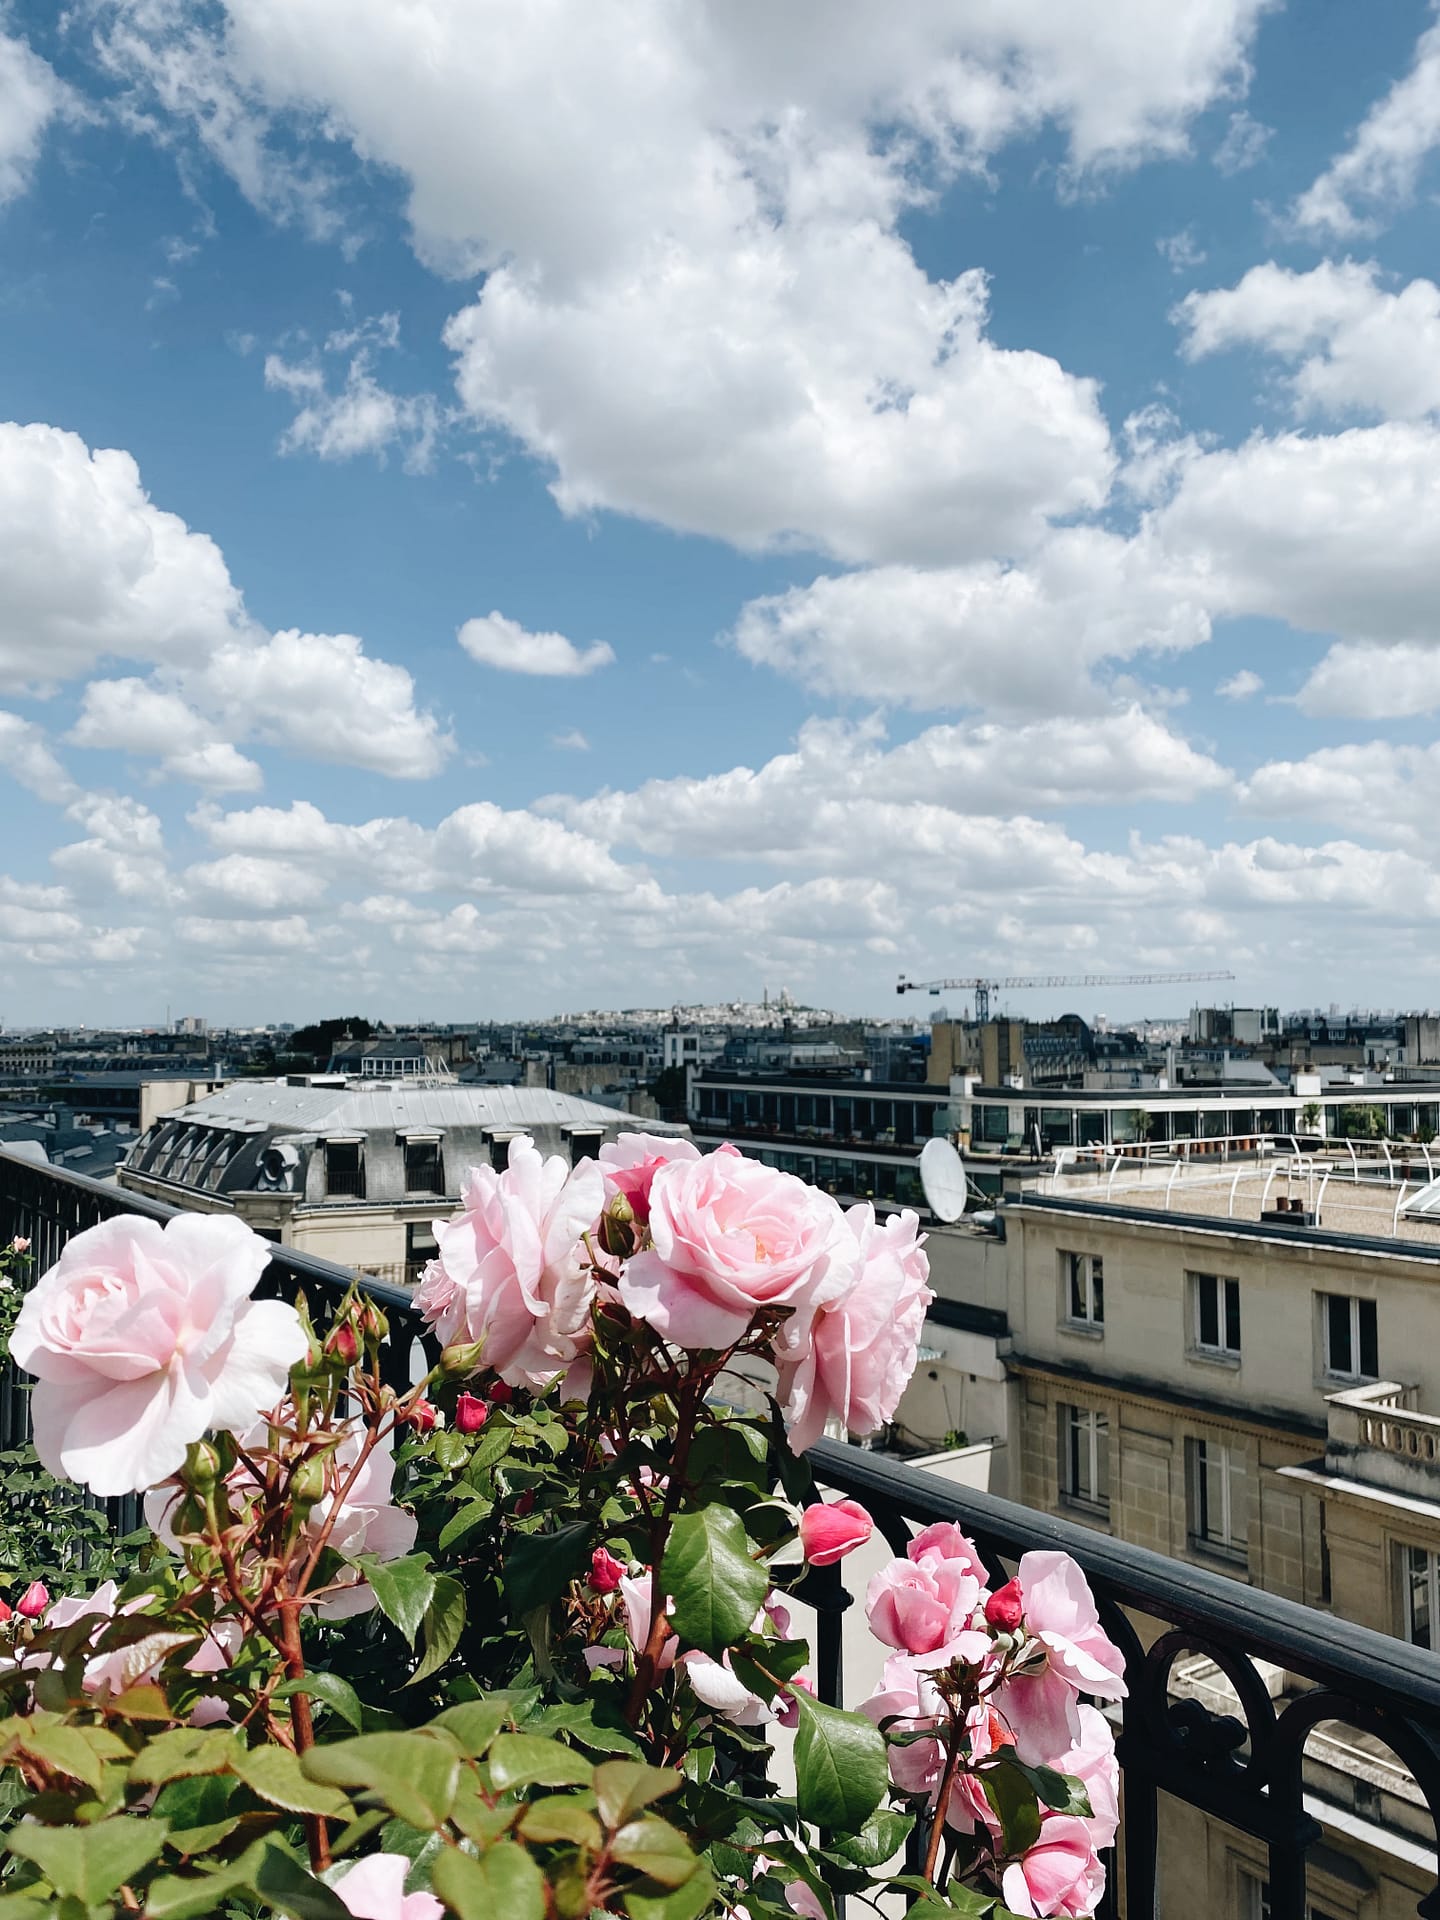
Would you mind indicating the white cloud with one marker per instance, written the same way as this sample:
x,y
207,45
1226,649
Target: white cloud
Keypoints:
x,y
1378,172
1354,346
496,641
322,696
135,716
360,415
256,885
841,797
92,571
1244,144
1181,251
1390,792
31,96
698,307
26,756
1243,685
1359,682
1020,639
572,741
290,934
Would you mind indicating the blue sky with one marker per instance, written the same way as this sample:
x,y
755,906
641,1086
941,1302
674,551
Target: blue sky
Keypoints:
x,y
509,511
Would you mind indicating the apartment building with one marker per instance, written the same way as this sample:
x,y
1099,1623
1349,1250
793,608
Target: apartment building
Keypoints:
x,y
1254,1390
355,1170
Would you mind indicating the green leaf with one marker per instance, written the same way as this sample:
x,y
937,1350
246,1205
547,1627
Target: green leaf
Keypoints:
x,y
279,1878
475,1723
441,1628
474,1514
1013,1798
181,1753
1062,1792
451,1449
523,1760
686,1902
623,1788
90,1863
276,1775
577,1718
840,1767
332,1691
414,1775
716,1586
198,1813
403,1589
64,1748
561,1817
492,1448
879,1840
540,1566
656,1849
503,1884
23,1906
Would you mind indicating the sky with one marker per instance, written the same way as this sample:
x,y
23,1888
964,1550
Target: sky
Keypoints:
x,y
517,509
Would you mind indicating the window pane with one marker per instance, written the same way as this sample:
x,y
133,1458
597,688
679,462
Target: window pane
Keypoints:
x,y
1239,1497
1338,1357
1232,1315
1097,1288
1418,1623
1369,1343
1102,1459
1209,1310
1077,1286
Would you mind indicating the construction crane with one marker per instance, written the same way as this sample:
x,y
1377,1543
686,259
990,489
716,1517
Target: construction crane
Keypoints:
x,y
982,989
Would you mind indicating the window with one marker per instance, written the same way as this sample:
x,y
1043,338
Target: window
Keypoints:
x,y
1083,1279
1219,1494
1085,1458
1215,1316
423,1170
1255,1900
1351,1343
585,1145
344,1170
1420,1591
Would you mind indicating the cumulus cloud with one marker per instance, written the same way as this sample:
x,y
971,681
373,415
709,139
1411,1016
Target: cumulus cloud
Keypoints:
x,y
496,641
1354,346
1243,685
31,97
698,306
1392,791
91,571
26,755
1378,172
1244,144
135,716
1181,251
357,414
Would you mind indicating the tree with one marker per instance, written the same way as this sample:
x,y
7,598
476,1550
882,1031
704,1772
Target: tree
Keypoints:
x,y
317,1042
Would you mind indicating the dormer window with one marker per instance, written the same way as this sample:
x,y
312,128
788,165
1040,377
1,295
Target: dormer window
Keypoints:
x,y
424,1166
344,1170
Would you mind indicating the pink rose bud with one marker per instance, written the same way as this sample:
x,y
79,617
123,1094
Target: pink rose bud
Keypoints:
x,y
526,1503
20,1244
1006,1607
606,1572
342,1344
829,1532
422,1417
501,1395
470,1414
33,1602
5,1614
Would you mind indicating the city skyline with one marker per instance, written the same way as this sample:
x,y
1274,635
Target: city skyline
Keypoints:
x,y
504,511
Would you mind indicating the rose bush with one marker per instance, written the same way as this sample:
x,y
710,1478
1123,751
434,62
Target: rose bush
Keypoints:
x,y
513,1641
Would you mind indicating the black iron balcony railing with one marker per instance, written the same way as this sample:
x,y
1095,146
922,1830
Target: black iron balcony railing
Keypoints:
x,y
1246,1772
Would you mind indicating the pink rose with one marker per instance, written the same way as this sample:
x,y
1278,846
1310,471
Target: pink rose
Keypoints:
x,y
1059,1875
20,1244
374,1889
943,1540
1060,1610
912,1701
33,1602
512,1271
920,1608
828,1532
143,1338
729,1236
851,1360
631,1163
127,1666
1092,1762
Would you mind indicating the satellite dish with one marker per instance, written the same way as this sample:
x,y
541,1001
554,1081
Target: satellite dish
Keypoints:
x,y
942,1175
